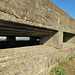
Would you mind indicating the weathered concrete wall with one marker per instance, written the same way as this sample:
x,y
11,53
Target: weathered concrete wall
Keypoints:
x,y
31,18
41,13
37,60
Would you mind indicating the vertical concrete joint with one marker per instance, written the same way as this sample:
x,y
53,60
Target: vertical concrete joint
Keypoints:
x,y
33,40
11,40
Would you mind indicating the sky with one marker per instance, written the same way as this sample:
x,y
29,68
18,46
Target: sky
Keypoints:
x,y
67,5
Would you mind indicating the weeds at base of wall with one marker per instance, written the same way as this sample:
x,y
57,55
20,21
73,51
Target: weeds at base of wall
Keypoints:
x,y
60,69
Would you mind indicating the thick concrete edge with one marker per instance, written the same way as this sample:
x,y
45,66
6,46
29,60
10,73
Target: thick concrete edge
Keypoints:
x,y
40,63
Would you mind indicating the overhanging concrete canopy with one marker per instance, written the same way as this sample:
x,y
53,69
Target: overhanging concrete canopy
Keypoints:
x,y
17,29
39,13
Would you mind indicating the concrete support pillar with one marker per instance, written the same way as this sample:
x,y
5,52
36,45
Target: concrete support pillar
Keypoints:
x,y
55,39
11,40
33,40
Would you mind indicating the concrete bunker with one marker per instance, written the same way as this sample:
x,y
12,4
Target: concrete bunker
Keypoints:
x,y
43,22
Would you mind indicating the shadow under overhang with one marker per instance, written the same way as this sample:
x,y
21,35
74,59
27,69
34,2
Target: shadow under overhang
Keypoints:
x,y
8,28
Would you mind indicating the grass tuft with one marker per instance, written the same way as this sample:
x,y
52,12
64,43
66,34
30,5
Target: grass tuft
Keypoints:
x,y
59,69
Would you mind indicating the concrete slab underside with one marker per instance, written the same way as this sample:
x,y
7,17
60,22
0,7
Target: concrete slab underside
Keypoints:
x,y
34,60
39,13
8,28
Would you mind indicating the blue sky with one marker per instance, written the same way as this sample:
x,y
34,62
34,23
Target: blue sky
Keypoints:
x,y
67,5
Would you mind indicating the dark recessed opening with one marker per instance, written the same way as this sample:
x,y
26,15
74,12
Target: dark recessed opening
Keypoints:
x,y
68,37
18,42
26,41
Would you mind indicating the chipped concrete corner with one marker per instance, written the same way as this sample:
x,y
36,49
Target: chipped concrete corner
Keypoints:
x,y
35,18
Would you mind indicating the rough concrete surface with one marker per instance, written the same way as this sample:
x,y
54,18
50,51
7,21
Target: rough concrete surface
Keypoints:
x,y
40,13
34,60
38,19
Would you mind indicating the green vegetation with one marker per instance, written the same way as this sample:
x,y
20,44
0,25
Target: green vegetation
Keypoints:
x,y
61,68
71,58
63,63
57,71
